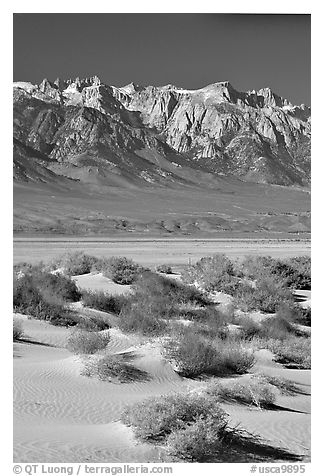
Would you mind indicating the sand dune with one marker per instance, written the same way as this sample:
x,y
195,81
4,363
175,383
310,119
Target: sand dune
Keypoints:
x,y
62,416
98,282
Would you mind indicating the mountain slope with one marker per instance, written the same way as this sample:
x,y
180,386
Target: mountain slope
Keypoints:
x,y
256,136
92,158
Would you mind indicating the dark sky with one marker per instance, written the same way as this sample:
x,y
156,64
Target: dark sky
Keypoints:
x,y
188,50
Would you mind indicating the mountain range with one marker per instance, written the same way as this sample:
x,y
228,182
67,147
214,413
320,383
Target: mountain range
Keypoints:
x,y
82,138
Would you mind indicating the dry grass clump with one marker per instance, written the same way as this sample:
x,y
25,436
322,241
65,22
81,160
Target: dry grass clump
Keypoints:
x,y
164,268
156,417
212,273
49,285
193,427
92,323
17,329
292,272
156,301
295,314
42,299
113,368
268,295
193,355
162,289
103,301
73,264
197,442
284,385
121,270
292,352
146,318
84,342
256,391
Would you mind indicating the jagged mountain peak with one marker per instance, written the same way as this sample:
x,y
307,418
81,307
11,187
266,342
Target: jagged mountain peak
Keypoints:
x,y
216,129
131,88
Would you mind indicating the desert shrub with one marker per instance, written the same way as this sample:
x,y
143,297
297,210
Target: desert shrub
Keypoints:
x,y
292,352
113,368
212,273
285,386
103,301
164,268
276,327
58,286
156,300
292,272
298,314
74,263
206,315
146,318
155,287
256,391
304,316
84,342
25,294
17,329
122,270
248,327
22,268
48,285
294,314
99,265
267,296
198,441
93,323
192,355
302,268
156,417
256,267
29,299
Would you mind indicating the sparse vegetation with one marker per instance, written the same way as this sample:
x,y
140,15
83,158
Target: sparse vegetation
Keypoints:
x,y
292,272
31,298
143,317
103,301
249,328
164,268
122,270
49,285
93,322
154,287
155,301
267,295
17,329
84,342
293,352
212,273
255,391
73,264
198,441
113,368
193,355
285,386
156,417
276,327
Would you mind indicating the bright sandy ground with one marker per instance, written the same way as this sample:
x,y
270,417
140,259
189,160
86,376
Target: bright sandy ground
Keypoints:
x,y
60,416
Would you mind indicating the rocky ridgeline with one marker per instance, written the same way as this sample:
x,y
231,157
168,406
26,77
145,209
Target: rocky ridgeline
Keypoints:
x,y
150,133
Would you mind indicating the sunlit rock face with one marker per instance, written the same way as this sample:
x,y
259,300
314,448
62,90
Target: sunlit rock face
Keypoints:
x,y
151,133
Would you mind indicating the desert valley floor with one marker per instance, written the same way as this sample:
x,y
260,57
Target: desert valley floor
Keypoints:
x,y
61,416
151,252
